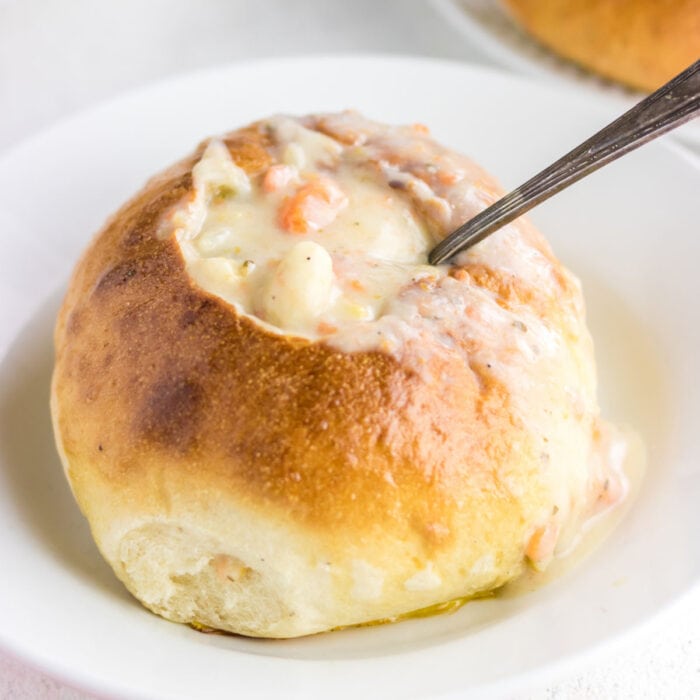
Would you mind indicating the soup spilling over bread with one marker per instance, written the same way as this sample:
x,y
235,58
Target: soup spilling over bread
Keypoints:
x,y
280,420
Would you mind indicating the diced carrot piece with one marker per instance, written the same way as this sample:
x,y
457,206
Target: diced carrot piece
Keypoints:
x,y
313,206
445,177
277,177
459,273
540,548
326,328
420,129
612,490
472,312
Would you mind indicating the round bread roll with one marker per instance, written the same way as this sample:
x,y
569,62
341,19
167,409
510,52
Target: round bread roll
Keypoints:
x,y
278,419
642,43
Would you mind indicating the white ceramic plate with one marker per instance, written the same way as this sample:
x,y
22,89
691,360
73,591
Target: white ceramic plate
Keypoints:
x,y
487,24
630,231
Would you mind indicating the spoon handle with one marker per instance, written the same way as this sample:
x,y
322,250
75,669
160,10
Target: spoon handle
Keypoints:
x,y
672,104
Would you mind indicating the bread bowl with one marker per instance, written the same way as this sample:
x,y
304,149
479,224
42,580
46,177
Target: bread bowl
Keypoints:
x,y
641,43
279,420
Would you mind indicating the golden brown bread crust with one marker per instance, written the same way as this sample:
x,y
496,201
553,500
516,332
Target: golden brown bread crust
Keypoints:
x,y
642,43
179,362
170,408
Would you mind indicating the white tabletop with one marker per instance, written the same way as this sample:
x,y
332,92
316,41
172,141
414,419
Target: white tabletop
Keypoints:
x,y
59,56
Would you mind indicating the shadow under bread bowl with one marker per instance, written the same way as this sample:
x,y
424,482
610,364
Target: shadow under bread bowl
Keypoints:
x,y
279,420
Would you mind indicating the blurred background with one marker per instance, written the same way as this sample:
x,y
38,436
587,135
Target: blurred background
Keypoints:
x,y
58,57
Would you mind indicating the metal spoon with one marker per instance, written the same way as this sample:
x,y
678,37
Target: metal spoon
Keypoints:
x,y
672,104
